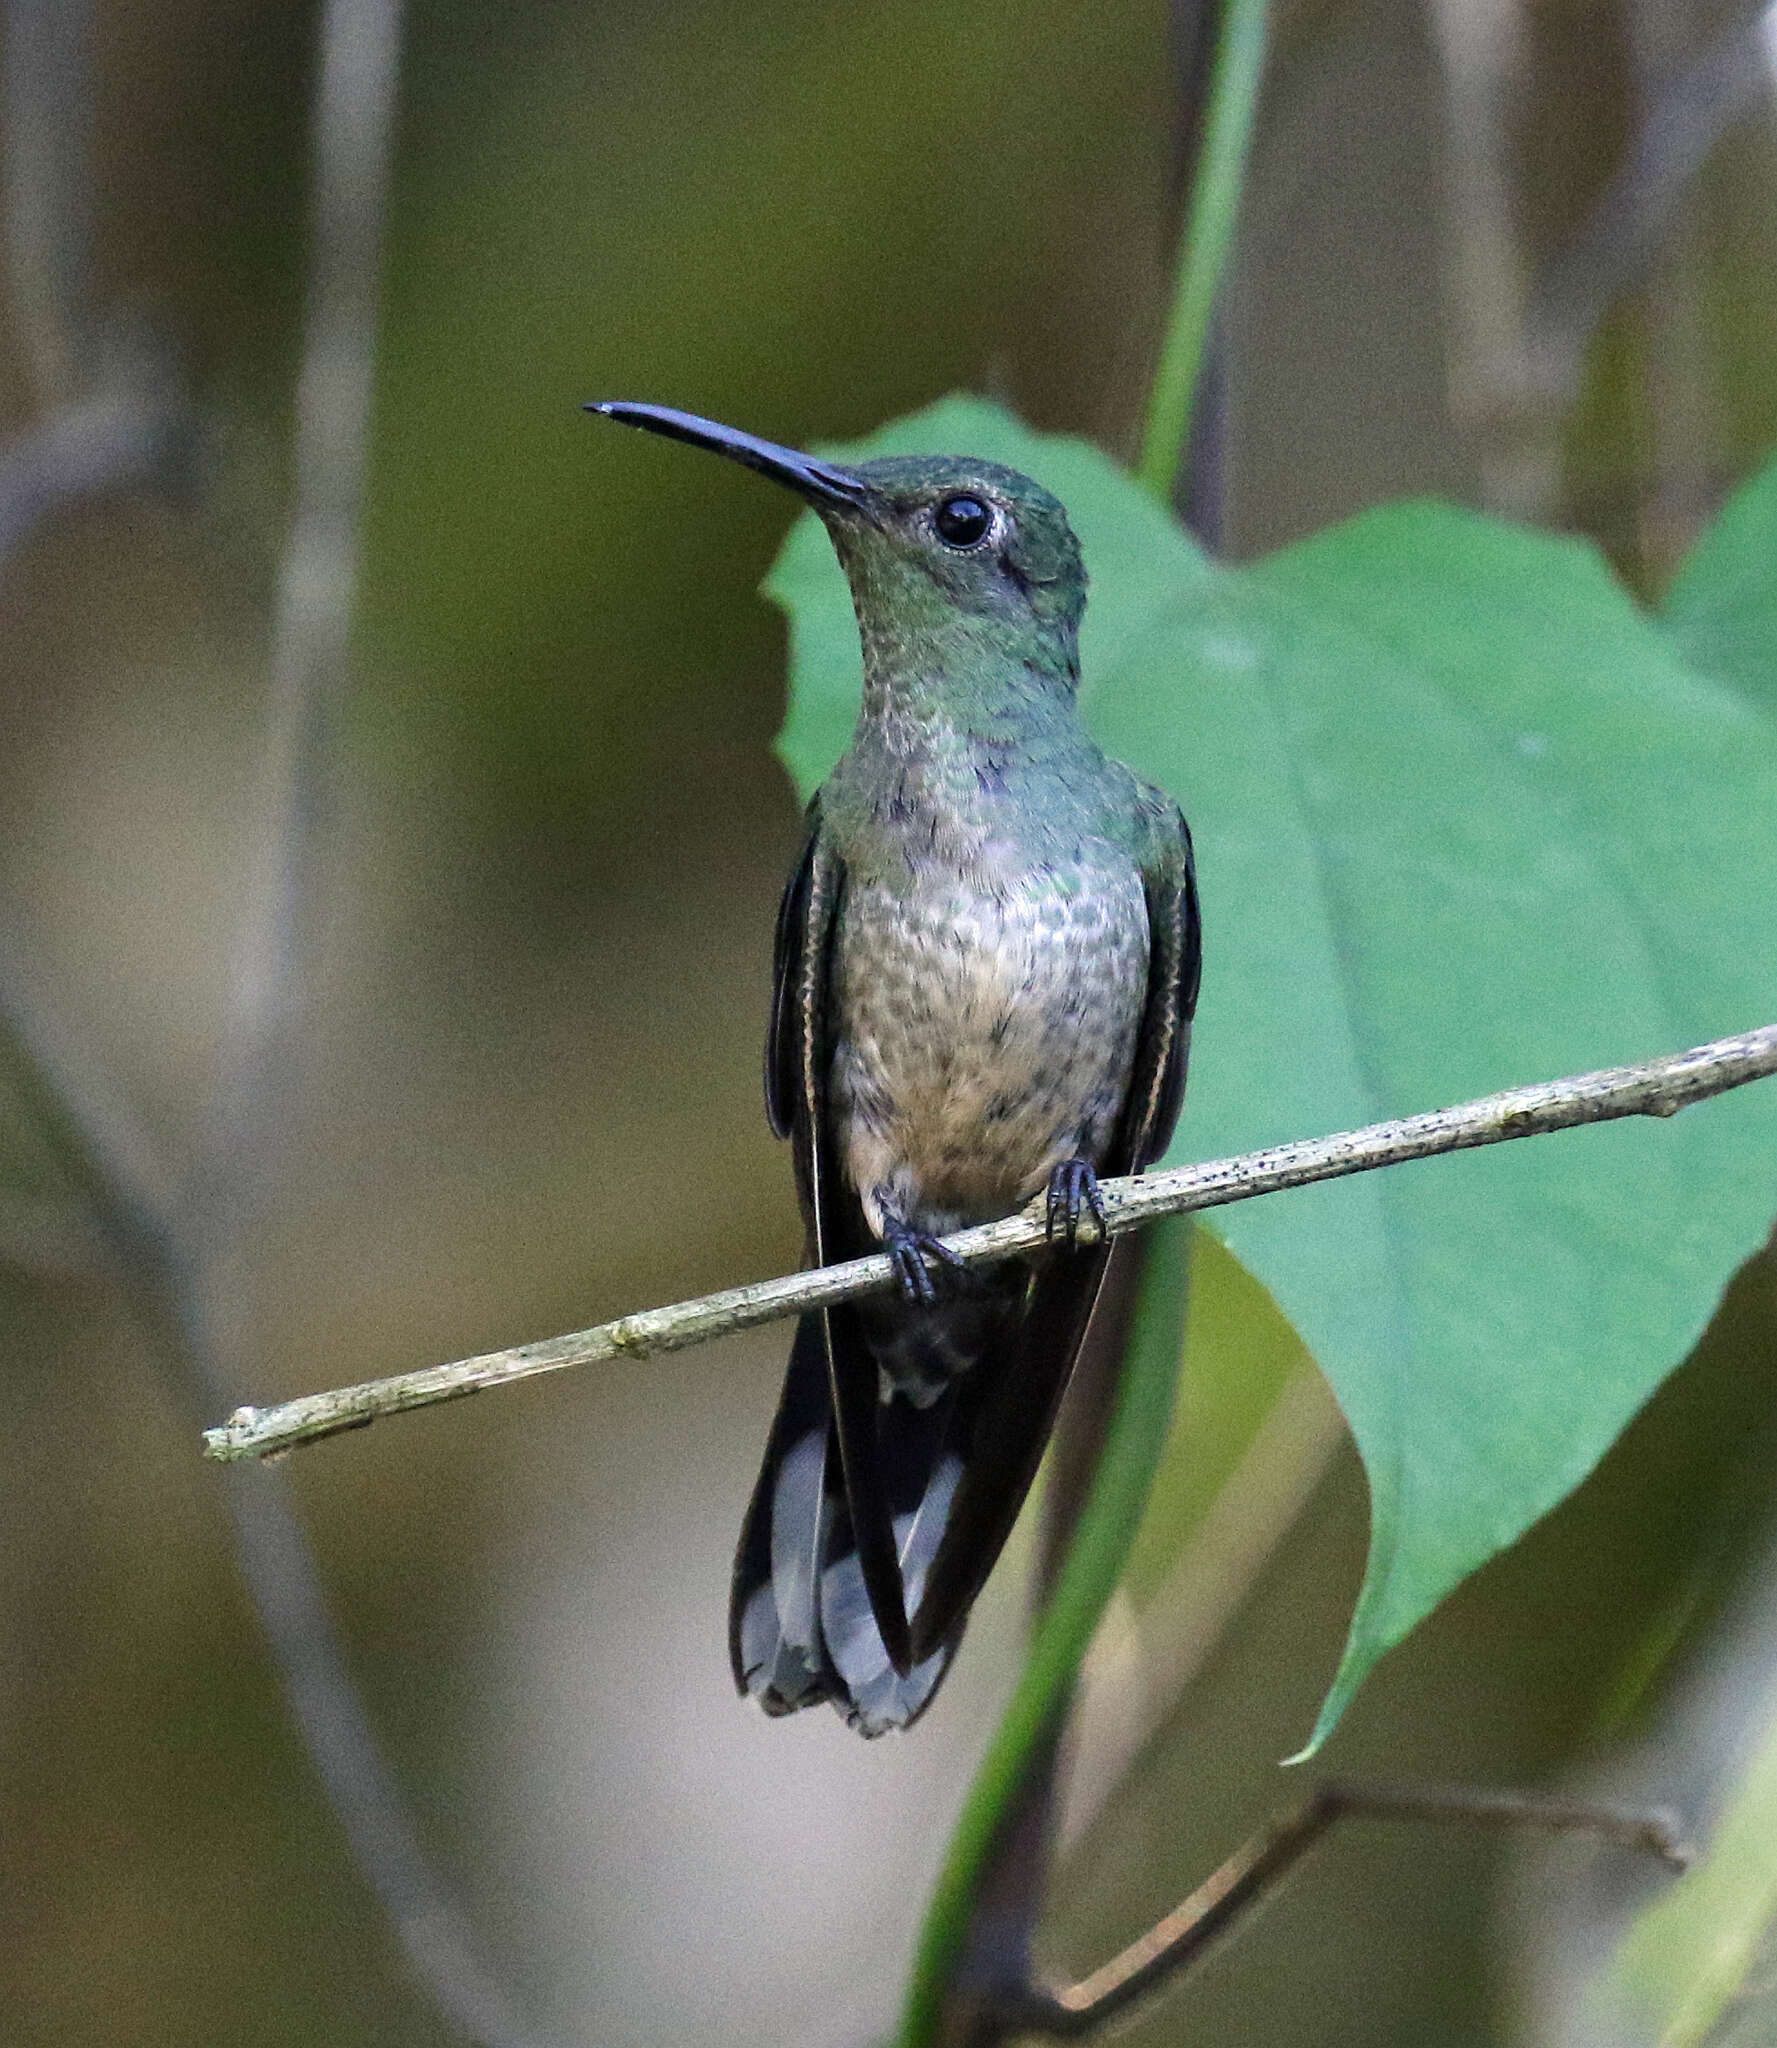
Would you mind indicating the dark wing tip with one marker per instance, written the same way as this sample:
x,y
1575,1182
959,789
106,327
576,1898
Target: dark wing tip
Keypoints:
x,y
1019,1394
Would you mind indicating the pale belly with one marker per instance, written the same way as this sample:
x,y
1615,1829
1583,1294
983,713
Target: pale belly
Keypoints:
x,y
981,1041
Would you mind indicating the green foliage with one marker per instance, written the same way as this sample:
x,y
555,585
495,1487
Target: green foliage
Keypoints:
x,y
1688,1957
1723,608
1240,1357
1466,816
1088,1577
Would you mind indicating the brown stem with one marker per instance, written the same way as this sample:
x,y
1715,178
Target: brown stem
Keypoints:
x,y
1659,1088
1079,2010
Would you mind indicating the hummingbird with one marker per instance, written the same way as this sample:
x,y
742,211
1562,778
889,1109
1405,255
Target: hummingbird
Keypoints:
x,y
986,965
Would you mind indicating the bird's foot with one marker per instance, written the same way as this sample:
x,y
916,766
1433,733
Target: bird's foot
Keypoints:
x,y
1073,1186
914,1254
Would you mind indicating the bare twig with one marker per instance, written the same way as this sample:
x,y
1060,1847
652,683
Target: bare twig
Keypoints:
x,y
1135,1675
113,440
46,187
1679,128
1172,1944
118,1153
105,426
108,411
353,133
125,1188
353,127
1518,338
1656,1088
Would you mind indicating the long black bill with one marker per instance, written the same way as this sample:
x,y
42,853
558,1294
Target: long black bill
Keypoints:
x,y
822,483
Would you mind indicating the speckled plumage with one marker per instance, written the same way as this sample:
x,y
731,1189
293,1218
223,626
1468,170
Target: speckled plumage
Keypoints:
x,y
990,973
986,967
991,951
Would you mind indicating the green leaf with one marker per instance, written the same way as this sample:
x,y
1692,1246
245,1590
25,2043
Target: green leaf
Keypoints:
x,y
1723,608
1242,1359
1466,816
1094,1563
1687,1958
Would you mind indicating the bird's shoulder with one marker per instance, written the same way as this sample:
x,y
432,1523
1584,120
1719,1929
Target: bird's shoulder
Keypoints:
x,y
887,815
1143,819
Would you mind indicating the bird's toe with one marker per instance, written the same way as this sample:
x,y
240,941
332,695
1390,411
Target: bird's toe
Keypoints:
x,y
1073,1187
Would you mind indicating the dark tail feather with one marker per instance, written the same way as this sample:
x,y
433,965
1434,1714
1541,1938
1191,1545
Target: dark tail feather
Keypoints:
x,y
775,1644
920,1469
947,1479
1011,1410
858,1423
800,1627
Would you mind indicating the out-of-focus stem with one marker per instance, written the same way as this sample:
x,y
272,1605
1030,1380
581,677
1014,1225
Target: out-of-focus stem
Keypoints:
x,y
1204,246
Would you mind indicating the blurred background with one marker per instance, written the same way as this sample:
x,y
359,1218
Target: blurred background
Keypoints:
x,y
1518,252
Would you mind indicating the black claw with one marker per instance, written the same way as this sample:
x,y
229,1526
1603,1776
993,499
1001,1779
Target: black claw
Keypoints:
x,y
1073,1185
910,1252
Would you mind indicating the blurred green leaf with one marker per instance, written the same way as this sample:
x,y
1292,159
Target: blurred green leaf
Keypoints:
x,y
1466,816
1722,610
1241,1354
1095,1561
1686,1960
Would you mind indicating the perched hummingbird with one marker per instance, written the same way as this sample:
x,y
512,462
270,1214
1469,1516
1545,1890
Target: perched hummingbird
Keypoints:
x,y
986,965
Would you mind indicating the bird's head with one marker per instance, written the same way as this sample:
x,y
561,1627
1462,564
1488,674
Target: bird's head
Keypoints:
x,y
932,544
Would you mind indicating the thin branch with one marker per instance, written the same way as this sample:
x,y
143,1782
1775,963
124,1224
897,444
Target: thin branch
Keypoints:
x,y
118,437
1679,129
353,139
107,1148
128,1191
109,414
46,114
1253,1871
116,1174
109,425
1659,1087
1518,340
352,145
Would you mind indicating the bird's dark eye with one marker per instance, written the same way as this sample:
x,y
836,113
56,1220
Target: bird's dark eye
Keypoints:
x,y
962,522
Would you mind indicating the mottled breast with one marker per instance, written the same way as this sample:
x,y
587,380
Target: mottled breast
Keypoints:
x,y
985,1024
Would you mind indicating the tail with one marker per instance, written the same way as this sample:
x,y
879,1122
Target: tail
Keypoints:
x,y
800,1629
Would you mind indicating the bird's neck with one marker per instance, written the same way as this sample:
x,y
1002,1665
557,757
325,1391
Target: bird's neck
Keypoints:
x,y
953,757
955,679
